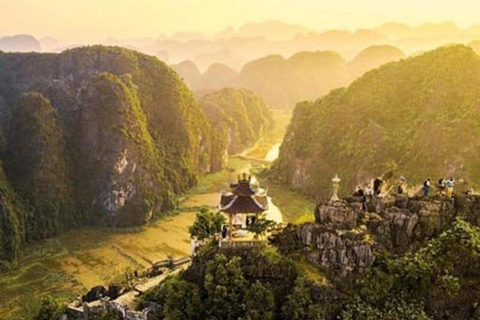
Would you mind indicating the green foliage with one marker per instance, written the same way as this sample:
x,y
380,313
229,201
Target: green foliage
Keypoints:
x,y
299,305
207,223
225,287
238,115
261,225
36,163
11,225
180,300
259,302
232,284
395,309
183,301
63,141
435,280
50,309
389,119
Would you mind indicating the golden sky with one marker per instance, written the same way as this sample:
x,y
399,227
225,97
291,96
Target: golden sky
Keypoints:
x,y
94,20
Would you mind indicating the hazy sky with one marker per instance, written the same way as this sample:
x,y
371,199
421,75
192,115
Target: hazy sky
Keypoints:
x,y
97,19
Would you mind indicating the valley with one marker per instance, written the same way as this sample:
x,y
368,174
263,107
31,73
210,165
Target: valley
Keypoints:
x,y
69,265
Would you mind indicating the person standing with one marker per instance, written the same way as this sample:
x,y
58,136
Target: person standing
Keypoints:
x,y
426,187
441,185
450,185
368,191
377,185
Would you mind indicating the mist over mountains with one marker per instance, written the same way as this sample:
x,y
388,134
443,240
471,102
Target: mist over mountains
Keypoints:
x,y
235,47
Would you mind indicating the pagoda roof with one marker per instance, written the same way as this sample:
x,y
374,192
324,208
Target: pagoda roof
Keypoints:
x,y
231,203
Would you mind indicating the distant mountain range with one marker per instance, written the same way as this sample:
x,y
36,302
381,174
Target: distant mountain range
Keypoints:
x,y
284,82
236,47
20,43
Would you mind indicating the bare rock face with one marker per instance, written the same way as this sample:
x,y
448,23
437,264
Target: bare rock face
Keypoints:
x,y
343,238
338,213
341,253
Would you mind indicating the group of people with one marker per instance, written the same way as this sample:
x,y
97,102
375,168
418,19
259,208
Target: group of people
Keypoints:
x,y
369,192
444,186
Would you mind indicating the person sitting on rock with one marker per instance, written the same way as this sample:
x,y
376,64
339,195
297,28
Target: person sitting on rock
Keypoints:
x,y
426,187
358,192
450,185
441,185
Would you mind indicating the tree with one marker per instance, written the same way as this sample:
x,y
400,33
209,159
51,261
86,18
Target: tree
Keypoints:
x,y
299,305
259,302
207,223
260,226
50,309
225,287
182,300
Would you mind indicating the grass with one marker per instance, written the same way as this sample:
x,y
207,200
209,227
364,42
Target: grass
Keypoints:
x,y
310,272
295,207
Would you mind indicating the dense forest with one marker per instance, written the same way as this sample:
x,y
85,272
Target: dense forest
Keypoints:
x,y
417,118
238,116
101,136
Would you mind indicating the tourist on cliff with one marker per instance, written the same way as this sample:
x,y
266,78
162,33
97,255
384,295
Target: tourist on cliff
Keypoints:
x,y
441,186
401,189
377,184
426,187
358,192
450,185
368,191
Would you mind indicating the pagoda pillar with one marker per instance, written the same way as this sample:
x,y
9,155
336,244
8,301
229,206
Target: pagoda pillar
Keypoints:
x,y
230,226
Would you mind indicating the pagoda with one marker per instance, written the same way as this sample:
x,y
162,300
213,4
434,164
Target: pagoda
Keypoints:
x,y
242,199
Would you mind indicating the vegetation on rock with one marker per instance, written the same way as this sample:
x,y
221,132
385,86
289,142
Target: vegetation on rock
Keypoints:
x,y
417,118
238,116
207,223
114,129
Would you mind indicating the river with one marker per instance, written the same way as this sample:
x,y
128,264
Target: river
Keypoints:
x,y
77,260
273,153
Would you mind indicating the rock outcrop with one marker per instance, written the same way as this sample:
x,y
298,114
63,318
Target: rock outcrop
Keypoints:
x,y
343,238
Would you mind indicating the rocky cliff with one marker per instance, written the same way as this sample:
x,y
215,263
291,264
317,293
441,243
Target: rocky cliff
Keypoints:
x,y
343,239
98,135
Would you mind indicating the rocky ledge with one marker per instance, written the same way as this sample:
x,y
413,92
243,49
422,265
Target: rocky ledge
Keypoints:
x,y
344,238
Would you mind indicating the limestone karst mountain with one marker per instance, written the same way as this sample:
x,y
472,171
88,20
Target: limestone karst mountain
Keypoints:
x,y
283,82
216,77
238,116
373,57
189,73
114,129
19,43
417,118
